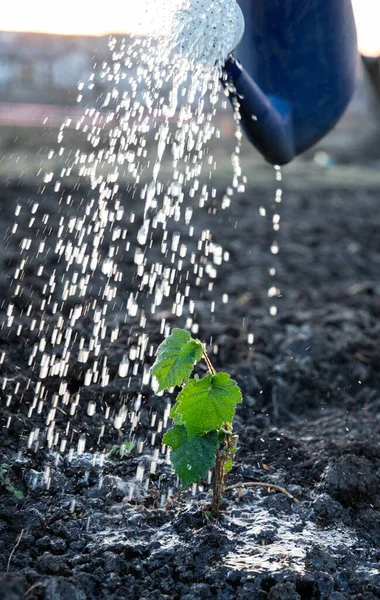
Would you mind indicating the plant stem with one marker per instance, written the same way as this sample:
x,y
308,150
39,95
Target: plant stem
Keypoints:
x,y
208,363
219,485
222,456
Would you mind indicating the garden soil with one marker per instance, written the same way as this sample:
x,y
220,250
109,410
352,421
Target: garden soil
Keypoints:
x,y
310,419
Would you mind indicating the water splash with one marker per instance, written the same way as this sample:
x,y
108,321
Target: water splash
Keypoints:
x,y
274,545
99,281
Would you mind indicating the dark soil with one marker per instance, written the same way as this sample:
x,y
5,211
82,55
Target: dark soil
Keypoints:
x,y
310,421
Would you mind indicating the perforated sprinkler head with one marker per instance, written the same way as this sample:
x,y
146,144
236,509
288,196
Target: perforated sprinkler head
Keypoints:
x,y
207,31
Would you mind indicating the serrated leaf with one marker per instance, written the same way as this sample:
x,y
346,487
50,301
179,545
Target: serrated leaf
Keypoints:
x,y
175,415
175,437
191,457
175,359
207,404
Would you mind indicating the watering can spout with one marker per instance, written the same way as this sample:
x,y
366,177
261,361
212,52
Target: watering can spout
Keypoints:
x,y
267,121
300,72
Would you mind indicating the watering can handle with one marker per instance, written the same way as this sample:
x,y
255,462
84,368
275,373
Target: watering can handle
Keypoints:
x,y
301,72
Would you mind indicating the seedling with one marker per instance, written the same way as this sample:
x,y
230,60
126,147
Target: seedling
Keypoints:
x,y
6,482
201,437
123,450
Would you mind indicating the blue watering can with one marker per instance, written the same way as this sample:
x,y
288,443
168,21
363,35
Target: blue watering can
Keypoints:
x,y
301,61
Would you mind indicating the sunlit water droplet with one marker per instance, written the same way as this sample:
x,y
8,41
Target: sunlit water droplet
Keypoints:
x,y
158,109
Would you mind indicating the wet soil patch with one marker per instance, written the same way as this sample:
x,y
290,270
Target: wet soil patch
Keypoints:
x,y
310,421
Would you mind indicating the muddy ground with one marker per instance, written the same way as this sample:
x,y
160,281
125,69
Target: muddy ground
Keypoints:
x,y
310,421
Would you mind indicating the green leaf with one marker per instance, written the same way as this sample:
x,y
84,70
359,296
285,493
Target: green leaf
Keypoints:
x,y
126,448
175,415
175,359
175,437
191,457
207,404
123,449
17,493
221,436
228,466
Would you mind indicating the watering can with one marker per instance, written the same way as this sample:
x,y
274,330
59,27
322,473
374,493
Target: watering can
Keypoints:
x,y
301,63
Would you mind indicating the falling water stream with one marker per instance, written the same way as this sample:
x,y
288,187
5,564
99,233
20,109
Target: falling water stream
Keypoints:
x,y
144,164
159,109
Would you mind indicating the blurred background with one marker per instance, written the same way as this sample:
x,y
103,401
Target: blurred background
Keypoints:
x,y
46,51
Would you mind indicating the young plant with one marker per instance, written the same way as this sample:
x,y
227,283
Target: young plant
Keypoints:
x,y
6,482
122,450
201,436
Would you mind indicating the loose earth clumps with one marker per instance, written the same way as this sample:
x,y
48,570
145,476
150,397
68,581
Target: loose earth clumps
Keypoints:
x,y
309,422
